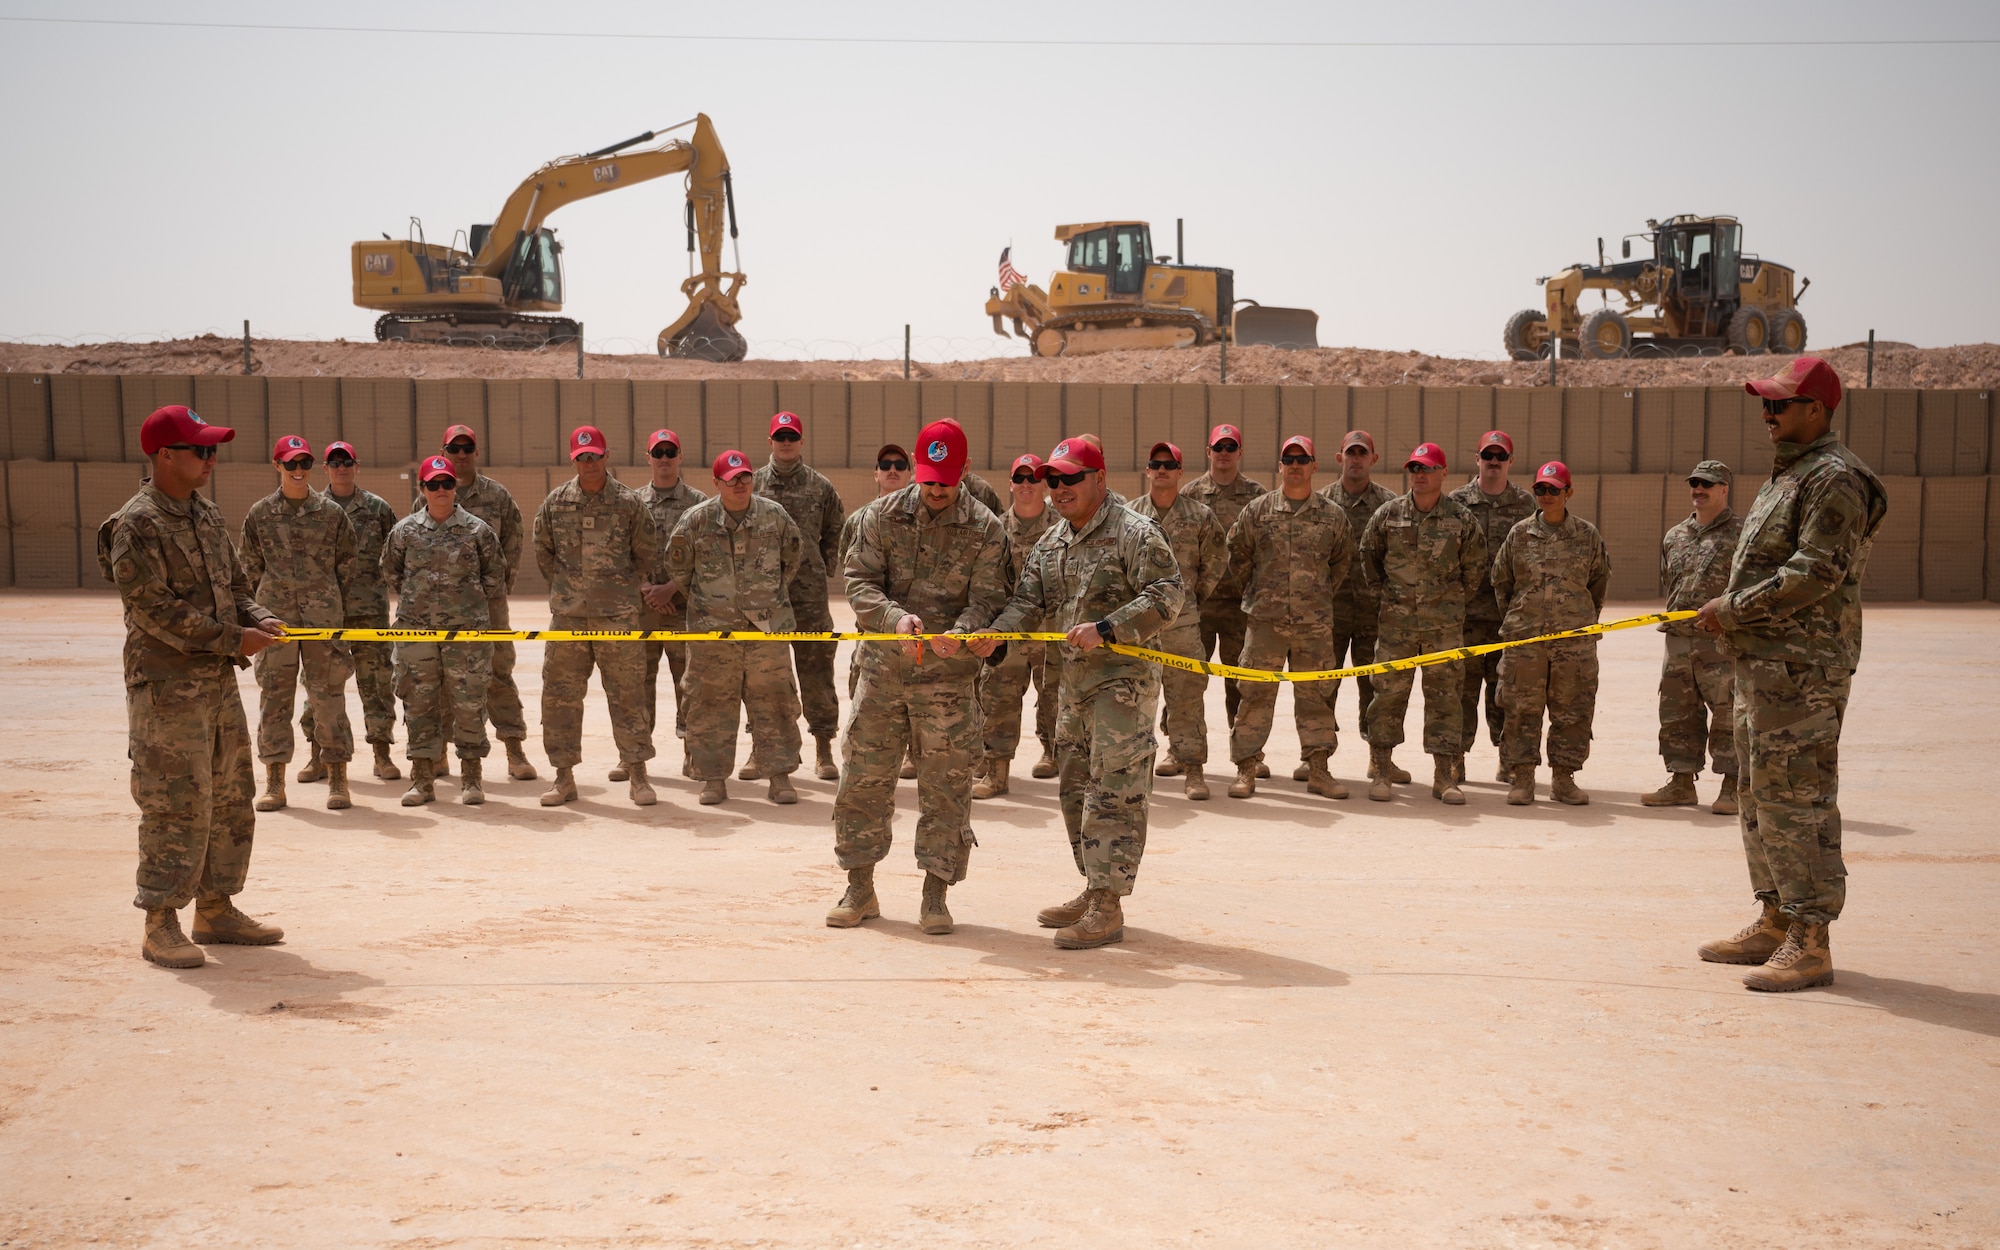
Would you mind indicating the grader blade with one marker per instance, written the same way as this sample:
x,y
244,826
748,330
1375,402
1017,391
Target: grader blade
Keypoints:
x,y
1289,328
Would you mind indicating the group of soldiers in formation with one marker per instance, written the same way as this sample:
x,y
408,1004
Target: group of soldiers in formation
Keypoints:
x,y
1291,576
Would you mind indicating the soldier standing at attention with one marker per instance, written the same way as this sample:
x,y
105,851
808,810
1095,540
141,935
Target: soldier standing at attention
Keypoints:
x,y
1101,574
446,568
815,508
1697,679
662,605
1425,555
1792,619
1003,687
1551,574
367,600
1295,551
1224,490
1355,603
929,558
1499,506
297,549
892,473
735,556
189,624
1201,550
596,543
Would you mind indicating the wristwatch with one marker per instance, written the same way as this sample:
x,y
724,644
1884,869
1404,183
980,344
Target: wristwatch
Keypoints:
x,y
1104,630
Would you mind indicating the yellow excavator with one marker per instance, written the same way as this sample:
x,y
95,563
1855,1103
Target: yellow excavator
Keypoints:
x,y
489,291
1115,295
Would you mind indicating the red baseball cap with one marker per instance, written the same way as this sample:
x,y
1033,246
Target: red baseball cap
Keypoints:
x,y
1807,377
1029,461
788,421
288,447
1428,454
586,440
459,431
663,436
1221,432
1169,446
436,466
1299,440
177,423
883,451
1079,454
1497,438
341,446
730,464
941,450
1554,471
1358,437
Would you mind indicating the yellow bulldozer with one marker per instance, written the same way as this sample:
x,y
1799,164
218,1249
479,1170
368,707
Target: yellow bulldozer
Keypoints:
x,y
1704,293
1115,295
491,285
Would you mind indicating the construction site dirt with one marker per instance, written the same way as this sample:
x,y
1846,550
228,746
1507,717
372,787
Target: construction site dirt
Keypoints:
x,y
1331,1023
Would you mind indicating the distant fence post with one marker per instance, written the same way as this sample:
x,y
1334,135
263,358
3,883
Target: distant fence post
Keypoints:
x,y
906,352
579,351
246,347
1871,360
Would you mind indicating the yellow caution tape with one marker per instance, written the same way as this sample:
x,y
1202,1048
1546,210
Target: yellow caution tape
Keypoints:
x,y
1144,653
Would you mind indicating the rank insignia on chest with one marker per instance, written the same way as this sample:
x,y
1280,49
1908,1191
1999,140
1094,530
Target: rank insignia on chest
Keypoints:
x,y
590,522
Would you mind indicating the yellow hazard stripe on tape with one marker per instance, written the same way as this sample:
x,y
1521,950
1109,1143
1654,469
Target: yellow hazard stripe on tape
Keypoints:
x,y
1144,653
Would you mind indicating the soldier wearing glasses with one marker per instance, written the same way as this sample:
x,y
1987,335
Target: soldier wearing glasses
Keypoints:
x,y
1498,506
367,599
1355,604
1201,548
1697,680
1224,490
815,507
662,601
1003,687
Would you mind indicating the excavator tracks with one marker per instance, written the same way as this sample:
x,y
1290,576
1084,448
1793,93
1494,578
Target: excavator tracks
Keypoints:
x,y
511,333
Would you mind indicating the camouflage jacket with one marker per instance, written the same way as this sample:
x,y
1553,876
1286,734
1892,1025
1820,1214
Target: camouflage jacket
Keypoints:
x,y
444,572
372,518
667,505
187,600
1118,568
1795,583
735,571
490,502
1497,516
1226,502
1201,547
815,507
595,550
1355,602
300,558
950,571
1296,553
1550,577
982,491
1694,566
1022,535
1424,565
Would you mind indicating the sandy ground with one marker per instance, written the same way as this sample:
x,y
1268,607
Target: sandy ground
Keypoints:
x,y
1350,1023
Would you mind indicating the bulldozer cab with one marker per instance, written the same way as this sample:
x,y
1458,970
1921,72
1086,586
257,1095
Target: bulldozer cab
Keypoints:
x,y
1120,251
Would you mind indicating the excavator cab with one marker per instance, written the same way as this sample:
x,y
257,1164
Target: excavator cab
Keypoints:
x,y
534,272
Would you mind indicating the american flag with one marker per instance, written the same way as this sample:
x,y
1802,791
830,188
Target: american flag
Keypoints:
x,y
1010,277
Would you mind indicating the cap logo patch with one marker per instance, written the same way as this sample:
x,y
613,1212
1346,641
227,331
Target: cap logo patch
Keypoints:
x,y
583,439
439,462
195,417
937,451
1061,452
735,460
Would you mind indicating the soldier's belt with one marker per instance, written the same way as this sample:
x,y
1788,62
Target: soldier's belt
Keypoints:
x,y
1143,653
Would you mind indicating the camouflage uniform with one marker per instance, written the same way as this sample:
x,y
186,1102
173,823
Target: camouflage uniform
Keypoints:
x,y
1120,569
667,507
187,603
595,550
299,557
1497,516
1425,566
979,489
1294,555
1003,687
490,502
367,600
1355,604
1792,620
1697,678
1551,578
1223,623
950,571
734,569
446,575
816,509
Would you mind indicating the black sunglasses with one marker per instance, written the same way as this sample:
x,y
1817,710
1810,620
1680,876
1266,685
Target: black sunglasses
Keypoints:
x,y
1024,479
1295,458
200,453
1069,479
441,483
893,466
669,452
339,462
299,464
1544,489
785,436
1226,445
1773,407
1494,453
460,449
1163,464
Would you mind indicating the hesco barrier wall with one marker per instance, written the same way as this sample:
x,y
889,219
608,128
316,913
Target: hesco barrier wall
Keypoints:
x,y
72,446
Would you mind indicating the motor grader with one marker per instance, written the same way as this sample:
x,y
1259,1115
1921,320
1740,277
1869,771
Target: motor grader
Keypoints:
x,y
1699,293
489,286
1115,295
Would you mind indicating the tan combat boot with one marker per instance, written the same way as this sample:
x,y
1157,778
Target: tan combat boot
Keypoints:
x,y
1754,943
751,770
1379,770
933,917
1168,766
994,783
1725,798
218,923
1678,792
1444,780
1503,775
518,766
1397,776
781,791
273,797
562,790
165,944
441,766
472,781
1321,782
859,903
1521,785
1102,925
1303,772
1803,962
714,791
823,766
337,797
1563,787
1458,771
1064,914
1245,784
908,772
423,788
1045,767
641,789
1263,769
619,772
1195,784
314,769
385,767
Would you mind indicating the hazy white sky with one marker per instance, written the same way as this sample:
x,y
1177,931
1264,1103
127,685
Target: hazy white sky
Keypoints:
x,y
163,181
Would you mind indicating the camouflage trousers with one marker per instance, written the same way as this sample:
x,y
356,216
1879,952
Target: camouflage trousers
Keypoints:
x,y
1559,678
1480,672
1352,650
374,677
1184,695
503,698
325,668
1442,683
443,687
1104,761
1003,688
895,709
675,654
1223,626
191,777
1697,697
1788,718
814,662
1270,644
722,677
621,670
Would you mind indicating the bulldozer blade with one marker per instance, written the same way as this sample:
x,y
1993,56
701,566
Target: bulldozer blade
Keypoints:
x,y
1276,327
707,338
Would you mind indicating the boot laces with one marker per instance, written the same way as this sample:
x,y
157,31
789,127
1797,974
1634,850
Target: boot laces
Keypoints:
x,y
1790,953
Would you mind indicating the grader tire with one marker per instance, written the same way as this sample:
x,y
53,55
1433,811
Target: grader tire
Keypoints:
x,y
1518,337
1750,331
1787,333
1605,335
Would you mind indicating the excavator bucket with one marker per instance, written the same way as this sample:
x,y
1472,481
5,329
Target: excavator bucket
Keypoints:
x,y
707,338
1275,327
